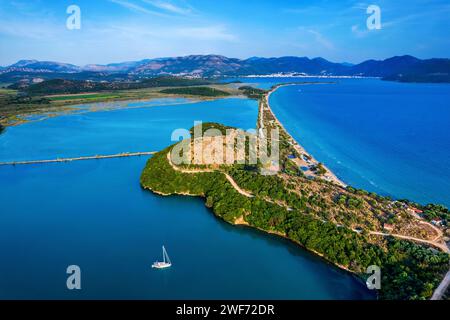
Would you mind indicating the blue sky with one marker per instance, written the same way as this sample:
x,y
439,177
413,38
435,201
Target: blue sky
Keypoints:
x,y
123,30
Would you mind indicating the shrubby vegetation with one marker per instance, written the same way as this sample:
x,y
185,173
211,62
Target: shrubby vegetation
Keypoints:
x,y
349,201
173,82
409,271
25,97
374,196
252,93
197,91
211,125
272,187
319,169
432,211
65,86
13,104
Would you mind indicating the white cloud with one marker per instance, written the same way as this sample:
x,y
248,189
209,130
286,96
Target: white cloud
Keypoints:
x,y
311,35
320,38
168,6
358,32
135,7
179,33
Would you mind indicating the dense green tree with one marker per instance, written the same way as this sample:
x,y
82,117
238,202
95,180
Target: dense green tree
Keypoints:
x,y
409,271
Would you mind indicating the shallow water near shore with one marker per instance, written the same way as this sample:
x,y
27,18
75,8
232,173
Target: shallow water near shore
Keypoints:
x,y
94,214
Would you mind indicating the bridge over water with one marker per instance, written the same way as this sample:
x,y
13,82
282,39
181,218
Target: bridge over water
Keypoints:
x,y
96,157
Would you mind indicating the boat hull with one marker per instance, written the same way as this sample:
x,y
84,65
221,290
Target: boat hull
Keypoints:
x,y
161,265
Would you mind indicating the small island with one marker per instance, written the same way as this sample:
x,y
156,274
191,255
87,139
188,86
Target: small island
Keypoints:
x,y
197,91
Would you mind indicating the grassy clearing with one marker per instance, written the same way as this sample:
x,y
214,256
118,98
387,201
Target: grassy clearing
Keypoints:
x,y
7,91
83,96
197,91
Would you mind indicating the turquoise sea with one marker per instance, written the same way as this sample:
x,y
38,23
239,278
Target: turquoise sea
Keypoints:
x,y
95,215
387,137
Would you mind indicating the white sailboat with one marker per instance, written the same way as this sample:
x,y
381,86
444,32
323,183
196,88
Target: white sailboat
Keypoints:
x,y
166,263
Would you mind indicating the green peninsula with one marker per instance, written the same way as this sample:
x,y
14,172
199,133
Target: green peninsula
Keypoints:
x,y
350,228
300,209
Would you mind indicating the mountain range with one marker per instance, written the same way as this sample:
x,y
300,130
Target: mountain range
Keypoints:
x,y
395,68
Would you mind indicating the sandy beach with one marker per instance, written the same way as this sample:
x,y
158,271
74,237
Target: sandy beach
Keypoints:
x,y
307,160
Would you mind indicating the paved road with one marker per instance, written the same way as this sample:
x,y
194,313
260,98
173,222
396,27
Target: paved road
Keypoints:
x,y
439,292
439,245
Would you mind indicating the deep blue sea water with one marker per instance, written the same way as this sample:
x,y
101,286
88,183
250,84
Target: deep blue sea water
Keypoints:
x,y
95,215
387,137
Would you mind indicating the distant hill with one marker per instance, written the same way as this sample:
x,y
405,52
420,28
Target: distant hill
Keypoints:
x,y
216,65
400,68
198,65
405,65
432,70
316,66
374,68
31,75
43,66
115,67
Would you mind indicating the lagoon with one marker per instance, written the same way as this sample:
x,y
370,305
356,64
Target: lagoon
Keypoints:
x,y
94,214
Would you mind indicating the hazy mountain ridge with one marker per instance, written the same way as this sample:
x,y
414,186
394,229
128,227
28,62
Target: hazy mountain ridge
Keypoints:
x,y
48,66
220,66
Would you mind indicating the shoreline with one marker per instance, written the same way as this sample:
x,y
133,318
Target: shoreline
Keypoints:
x,y
74,109
281,75
240,222
444,283
297,146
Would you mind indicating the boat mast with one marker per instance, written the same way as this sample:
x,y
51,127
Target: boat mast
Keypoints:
x,y
165,255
